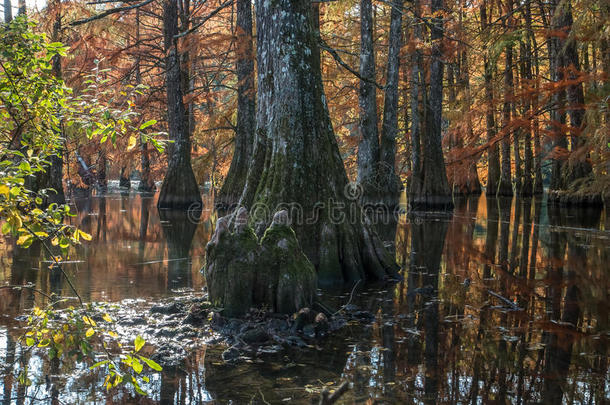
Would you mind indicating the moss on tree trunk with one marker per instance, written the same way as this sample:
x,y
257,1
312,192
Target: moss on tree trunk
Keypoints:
x,y
296,162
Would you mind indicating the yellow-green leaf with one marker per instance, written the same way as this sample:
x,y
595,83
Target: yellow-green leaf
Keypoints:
x,y
138,343
132,142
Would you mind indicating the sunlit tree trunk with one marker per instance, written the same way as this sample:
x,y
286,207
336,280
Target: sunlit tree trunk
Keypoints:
x,y
179,189
390,183
246,115
296,160
368,148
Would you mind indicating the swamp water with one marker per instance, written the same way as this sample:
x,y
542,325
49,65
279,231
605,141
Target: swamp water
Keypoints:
x,y
502,302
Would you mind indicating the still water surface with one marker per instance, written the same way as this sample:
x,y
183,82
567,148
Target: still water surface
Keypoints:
x,y
503,301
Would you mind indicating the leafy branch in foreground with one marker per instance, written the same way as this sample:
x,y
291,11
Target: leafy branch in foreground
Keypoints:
x,y
74,333
37,112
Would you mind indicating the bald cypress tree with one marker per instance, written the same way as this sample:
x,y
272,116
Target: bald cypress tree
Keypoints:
x,y
179,189
296,160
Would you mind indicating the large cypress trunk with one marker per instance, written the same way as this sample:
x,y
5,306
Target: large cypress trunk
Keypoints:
x,y
179,189
389,181
435,192
368,148
246,118
296,163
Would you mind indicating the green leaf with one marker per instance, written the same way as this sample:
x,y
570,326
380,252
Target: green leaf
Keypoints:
x,y
137,366
151,363
147,124
138,343
98,364
6,228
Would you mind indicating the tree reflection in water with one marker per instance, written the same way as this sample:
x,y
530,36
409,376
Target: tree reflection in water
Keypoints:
x,y
502,302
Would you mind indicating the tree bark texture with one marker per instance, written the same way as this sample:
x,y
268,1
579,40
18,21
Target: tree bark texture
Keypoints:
x,y
368,148
435,192
389,180
493,158
246,114
179,189
296,162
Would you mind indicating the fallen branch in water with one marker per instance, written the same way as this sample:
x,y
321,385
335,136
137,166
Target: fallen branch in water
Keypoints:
x,y
327,398
505,300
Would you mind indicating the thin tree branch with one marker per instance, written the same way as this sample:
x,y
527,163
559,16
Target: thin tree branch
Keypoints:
x,y
109,12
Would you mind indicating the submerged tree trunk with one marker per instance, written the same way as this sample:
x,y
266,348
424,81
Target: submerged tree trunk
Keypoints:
x,y
179,189
435,192
389,181
246,117
368,148
296,162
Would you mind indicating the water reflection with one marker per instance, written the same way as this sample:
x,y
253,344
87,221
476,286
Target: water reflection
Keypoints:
x,y
504,301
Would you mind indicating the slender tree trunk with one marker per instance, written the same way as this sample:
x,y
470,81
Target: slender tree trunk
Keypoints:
x,y
505,188
473,185
179,189
557,113
296,163
435,192
246,115
147,183
21,10
56,169
526,81
390,183
416,113
537,186
368,148
574,168
493,160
